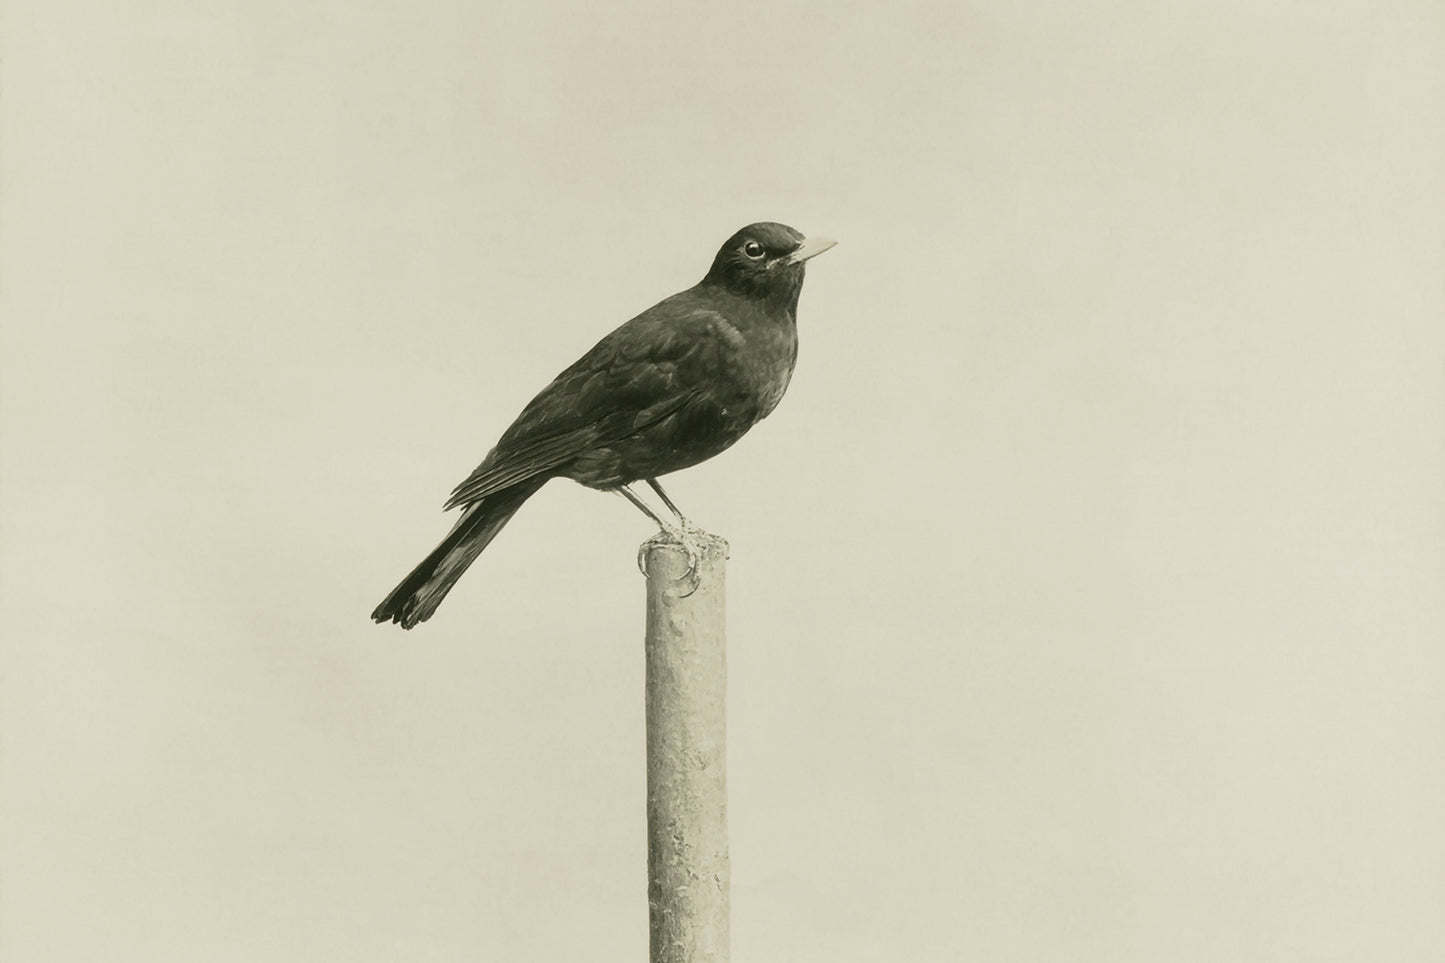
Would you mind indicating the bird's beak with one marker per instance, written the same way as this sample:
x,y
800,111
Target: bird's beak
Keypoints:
x,y
811,247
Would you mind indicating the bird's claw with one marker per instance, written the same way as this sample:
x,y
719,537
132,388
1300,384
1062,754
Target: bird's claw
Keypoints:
x,y
689,539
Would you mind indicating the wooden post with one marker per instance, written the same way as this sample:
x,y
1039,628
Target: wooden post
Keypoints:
x,y
687,833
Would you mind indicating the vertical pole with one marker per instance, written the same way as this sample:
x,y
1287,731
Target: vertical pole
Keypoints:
x,y
687,835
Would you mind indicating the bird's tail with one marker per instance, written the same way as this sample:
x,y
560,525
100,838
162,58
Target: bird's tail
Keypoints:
x,y
419,594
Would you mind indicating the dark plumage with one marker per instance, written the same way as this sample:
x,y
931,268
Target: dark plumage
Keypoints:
x,y
674,386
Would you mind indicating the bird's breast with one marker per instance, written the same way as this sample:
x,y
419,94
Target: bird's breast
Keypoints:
x,y
766,365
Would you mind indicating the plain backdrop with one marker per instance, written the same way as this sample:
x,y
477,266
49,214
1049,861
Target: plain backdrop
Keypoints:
x,y
1087,591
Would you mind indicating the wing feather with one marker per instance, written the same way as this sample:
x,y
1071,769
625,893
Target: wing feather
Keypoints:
x,y
628,381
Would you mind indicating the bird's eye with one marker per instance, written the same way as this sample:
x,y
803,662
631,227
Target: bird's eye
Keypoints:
x,y
753,250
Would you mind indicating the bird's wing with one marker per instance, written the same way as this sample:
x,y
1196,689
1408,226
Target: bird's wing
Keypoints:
x,y
637,375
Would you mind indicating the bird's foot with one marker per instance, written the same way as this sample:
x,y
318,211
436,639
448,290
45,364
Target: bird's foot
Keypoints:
x,y
690,539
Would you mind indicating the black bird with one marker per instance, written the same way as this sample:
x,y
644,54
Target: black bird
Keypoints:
x,y
672,387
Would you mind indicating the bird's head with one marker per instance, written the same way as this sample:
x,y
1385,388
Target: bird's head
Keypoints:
x,y
765,261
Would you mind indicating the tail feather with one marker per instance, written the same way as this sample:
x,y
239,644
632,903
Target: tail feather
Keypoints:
x,y
419,594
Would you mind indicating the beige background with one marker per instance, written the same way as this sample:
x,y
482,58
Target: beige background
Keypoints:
x,y
1086,592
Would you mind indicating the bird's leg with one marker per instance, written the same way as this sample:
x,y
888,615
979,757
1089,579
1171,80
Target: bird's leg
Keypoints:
x,y
687,526
631,496
686,536
672,532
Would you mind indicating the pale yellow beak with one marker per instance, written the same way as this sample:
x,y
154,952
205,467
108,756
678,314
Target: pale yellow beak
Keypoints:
x,y
811,247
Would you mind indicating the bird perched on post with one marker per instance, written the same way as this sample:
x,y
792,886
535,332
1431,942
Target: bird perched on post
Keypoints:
x,y
674,386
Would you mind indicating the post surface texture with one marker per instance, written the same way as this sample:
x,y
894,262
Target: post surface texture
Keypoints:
x,y
687,836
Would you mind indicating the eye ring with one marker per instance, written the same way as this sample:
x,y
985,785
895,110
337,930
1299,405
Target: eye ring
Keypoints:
x,y
753,250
